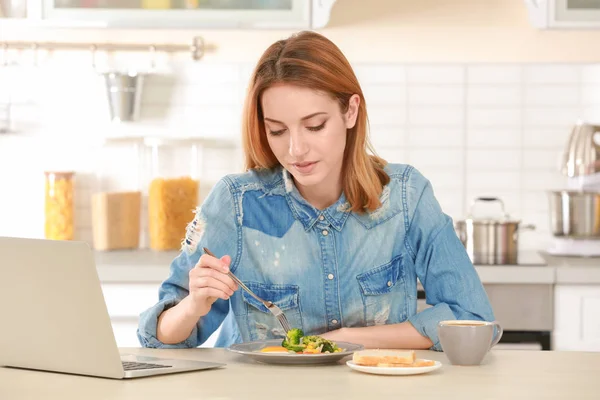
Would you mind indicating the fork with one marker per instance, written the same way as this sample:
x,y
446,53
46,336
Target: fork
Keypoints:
x,y
276,311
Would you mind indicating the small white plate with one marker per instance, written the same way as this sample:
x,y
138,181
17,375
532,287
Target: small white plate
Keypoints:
x,y
394,370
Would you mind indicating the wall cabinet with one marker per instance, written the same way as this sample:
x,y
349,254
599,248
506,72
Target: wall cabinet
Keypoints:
x,y
166,14
564,14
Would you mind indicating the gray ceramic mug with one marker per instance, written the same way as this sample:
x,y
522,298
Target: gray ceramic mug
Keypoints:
x,y
466,342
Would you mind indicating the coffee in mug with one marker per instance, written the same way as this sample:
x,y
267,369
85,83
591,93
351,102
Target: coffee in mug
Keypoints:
x,y
466,342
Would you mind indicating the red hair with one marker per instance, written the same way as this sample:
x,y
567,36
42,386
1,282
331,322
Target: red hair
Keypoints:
x,y
310,60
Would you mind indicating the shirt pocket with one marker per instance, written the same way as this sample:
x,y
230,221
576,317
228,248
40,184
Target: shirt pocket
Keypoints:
x,y
262,324
383,292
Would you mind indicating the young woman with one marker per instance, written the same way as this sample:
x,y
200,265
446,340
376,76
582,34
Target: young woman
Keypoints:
x,y
330,233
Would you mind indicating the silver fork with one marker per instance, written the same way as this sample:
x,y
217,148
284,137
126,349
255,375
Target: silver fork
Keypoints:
x,y
276,311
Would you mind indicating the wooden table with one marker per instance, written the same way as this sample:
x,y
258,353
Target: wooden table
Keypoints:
x,y
505,374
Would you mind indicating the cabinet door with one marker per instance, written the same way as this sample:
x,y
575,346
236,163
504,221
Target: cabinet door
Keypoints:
x,y
577,318
125,302
183,13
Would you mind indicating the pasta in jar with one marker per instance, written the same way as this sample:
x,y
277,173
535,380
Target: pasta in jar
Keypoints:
x,y
171,204
59,208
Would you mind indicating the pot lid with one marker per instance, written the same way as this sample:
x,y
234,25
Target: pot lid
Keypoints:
x,y
502,217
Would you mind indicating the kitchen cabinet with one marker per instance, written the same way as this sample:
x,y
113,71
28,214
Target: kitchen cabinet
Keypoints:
x,y
125,302
166,14
564,14
577,318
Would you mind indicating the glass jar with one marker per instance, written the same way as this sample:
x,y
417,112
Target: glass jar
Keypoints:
x,y
116,201
173,190
59,205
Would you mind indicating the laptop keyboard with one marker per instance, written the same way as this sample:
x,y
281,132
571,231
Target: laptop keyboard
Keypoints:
x,y
133,366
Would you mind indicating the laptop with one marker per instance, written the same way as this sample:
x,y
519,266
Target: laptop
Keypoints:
x,y
54,317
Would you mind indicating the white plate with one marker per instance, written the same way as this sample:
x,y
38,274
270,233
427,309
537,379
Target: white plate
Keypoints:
x,y
251,349
394,370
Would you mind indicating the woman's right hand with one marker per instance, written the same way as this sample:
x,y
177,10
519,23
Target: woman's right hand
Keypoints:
x,y
208,282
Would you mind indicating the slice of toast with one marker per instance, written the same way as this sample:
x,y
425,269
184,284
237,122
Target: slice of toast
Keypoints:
x,y
417,363
383,356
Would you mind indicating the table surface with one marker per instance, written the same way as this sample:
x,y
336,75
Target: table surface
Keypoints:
x,y
504,374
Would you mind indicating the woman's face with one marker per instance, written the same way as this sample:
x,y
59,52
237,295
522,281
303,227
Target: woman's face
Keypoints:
x,y
306,131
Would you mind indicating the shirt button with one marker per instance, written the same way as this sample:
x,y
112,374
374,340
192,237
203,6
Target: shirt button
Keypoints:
x,y
325,233
334,321
321,218
389,283
330,276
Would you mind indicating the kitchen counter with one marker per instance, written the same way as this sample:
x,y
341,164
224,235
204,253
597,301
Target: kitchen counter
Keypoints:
x,y
504,374
147,266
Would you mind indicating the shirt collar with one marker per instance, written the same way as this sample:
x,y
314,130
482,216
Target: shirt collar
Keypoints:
x,y
335,215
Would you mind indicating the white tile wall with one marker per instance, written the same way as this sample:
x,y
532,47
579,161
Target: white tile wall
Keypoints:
x,y
473,130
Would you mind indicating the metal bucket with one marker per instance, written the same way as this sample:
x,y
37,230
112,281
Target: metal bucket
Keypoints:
x,y
124,91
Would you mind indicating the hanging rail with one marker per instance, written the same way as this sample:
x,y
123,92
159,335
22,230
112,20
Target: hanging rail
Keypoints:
x,y
196,48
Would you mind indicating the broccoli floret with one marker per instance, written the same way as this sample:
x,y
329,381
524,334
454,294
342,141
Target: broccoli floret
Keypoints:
x,y
295,347
328,345
311,339
294,336
297,342
292,340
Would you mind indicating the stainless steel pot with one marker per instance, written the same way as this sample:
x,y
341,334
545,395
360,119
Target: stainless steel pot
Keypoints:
x,y
575,214
490,241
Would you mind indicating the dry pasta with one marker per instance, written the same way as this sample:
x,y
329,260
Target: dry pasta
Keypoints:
x,y
170,206
59,209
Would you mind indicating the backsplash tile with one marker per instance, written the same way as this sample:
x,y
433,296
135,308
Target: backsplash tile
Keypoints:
x,y
493,180
382,136
492,137
387,115
552,95
439,95
494,95
493,160
497,116
436,157
385,95
551,116
590,74
383,74
590,94
436,115
546,137
436,136
552,74
472,130
435,74
542,160
497,74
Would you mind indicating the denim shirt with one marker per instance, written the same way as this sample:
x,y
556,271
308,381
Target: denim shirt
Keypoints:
x,y
326,269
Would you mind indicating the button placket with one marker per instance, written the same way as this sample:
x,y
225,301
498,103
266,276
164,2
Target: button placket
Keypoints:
x,y
332,306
